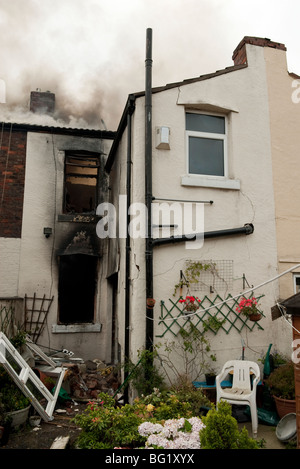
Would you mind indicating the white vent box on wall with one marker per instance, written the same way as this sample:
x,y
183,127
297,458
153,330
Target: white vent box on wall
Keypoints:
x,y
162,135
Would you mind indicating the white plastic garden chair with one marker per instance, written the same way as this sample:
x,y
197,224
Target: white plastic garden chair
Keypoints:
x,y
242,391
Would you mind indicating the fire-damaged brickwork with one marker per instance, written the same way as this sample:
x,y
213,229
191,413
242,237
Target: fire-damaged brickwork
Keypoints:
x,y
12,177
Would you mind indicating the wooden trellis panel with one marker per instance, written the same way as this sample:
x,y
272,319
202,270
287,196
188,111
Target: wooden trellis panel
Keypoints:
x,y
7,315
224,311
36,311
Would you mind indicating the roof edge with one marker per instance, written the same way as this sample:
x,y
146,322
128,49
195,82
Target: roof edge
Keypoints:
x,y
23,127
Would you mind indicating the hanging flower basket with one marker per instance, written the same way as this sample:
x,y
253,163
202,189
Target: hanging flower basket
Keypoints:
x,y
249,308
255,317
191,303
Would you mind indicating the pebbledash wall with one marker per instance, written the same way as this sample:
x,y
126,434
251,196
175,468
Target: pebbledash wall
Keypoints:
x,y
32,170
243,94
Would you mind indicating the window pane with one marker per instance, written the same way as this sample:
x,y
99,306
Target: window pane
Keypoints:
x,y
206,156
205,123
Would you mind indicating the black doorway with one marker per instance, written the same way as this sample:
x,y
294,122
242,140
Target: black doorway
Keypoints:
x,y
76,288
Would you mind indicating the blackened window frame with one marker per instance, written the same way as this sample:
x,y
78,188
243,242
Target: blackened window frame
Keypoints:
x,y
85,156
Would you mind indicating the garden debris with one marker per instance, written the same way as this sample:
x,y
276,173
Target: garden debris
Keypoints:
x,y
60,442
91,378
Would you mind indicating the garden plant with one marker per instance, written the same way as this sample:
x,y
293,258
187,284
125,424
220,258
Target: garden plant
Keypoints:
x,y
161,420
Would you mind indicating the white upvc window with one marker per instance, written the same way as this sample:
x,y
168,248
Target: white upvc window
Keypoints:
x,y
206,144
206,150
296,283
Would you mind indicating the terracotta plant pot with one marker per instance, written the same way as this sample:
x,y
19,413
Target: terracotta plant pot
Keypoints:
x,y
284,406
46,380
151,302
255,317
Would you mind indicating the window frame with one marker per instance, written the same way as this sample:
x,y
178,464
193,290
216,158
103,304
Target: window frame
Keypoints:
x,y
208,135
81,155
295,277
66,294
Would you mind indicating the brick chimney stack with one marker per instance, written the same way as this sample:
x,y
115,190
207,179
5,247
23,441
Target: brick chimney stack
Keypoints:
x,y
239,56
42,102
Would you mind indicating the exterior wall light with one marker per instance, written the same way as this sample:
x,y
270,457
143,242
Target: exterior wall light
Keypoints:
x,y
47,232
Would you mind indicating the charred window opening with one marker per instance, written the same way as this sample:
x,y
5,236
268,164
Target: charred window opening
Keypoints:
x,y
81,182
77,288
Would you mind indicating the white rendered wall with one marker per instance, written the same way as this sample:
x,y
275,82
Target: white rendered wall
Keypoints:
x,y
38,259
243,96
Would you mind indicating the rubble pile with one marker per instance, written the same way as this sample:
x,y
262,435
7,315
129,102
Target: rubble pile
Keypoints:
x,y
86,380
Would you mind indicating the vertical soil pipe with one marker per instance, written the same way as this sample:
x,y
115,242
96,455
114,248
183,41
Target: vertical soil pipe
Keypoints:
x,y
148,187
128,244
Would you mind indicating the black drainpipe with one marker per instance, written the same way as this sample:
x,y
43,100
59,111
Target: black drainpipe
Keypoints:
x,y
148,187
131,107
247,229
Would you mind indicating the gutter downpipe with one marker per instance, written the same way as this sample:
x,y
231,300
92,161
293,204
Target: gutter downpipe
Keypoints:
x,y
131,107
148,187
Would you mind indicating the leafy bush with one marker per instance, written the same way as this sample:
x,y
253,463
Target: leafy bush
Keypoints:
x,y
282,381
11,397
221,431
144,375
182,400
107,426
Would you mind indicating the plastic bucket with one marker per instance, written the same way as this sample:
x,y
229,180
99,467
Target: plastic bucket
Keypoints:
x,y
286,429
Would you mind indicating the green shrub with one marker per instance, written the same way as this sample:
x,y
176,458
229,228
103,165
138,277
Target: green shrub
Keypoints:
x,y
144,375
107,426
186,392
282,381
11,397
221,431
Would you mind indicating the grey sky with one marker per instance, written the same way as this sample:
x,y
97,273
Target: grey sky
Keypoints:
x,y
91,53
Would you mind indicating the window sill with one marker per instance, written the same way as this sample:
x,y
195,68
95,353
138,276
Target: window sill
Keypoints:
x,y
78,218
71,328
215,182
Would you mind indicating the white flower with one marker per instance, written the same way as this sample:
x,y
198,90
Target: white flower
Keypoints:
x,y
146,428
169,435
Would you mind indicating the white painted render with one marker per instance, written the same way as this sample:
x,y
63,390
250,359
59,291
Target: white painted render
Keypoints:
x,y
284,119
241,95
38,269
262,148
